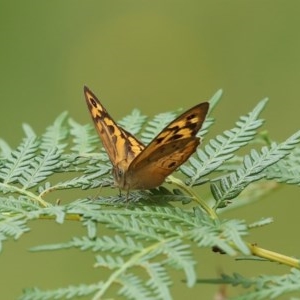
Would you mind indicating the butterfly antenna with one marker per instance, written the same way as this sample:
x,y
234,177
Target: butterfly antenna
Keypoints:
x,y
94,197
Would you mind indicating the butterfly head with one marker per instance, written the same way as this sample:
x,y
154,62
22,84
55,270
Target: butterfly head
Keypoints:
x,y
118,173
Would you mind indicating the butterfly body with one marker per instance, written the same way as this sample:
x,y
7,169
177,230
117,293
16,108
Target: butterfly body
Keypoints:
x,y
136,166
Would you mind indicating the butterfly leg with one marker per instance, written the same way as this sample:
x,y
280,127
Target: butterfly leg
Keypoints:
x,y
127,196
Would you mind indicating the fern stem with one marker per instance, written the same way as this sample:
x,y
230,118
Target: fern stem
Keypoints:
x,y
29,194
67,217
194,196
48,190
125,266
274,256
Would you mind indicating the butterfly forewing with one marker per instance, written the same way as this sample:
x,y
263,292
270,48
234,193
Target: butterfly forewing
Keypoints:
x,y
119,144
183,127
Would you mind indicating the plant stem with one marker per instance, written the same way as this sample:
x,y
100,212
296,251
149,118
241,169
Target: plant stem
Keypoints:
x,y
132,261
274,256
195,197
27,193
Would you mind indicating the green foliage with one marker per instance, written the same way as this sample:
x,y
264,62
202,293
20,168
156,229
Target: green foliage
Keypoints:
x,y
152,233
133,122
264,287
156,125
223,147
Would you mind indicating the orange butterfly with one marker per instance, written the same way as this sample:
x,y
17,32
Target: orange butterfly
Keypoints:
x,y
136,166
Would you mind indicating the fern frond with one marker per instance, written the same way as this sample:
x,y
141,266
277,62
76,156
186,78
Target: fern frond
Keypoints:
x,y
116,244
159,196
5,150
164,229
87,181
19,161
133,122
131,226
54,212
222,148
28,130
56,133
159,281
230,186
133,287
156,125
260,223
12,227
223,235
28,167
84,138
215,99
233,231
42,166
147,237
265,287
209,121
110,262
97,167
160,121
17,206
286,170
179,256
62,293
158,222
144,223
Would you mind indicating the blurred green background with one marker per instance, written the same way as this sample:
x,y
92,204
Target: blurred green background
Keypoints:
x,y
156,56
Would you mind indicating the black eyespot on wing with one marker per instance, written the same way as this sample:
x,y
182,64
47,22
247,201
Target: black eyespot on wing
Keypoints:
x,y
111,129
191,116
114,139
94,103
174,129
159,140
191,126
176,137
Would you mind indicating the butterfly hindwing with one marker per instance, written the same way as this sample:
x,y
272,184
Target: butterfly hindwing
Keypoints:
x,y
161,163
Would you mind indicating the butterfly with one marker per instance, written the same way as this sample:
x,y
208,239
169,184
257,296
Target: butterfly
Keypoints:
x,y
139,167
